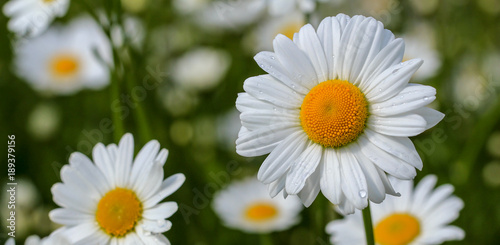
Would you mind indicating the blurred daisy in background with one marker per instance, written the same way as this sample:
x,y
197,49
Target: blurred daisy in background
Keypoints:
x,y
472,87
284,7
245,205
228,126
54,239
267,31
420,42
116,199
32,17
66,59
335,113
229,15
420,216
201,68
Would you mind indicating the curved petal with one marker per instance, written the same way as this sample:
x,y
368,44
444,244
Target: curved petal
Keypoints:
x,y
353,180
330,180
391,81
168,186
264,140
282,157
414,96
402,125
267,88
303,167
124,158
308,41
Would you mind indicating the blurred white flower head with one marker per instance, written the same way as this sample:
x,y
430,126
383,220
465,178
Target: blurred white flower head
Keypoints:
x,y
421,216
66,59
53,239
201,68
133,32
287,25
247,206
228,126
283,7
471,87
420,42
230,15
32,17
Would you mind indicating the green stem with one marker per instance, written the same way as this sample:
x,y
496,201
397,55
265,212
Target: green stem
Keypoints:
x,y
139,115
367,220
117,116
265,239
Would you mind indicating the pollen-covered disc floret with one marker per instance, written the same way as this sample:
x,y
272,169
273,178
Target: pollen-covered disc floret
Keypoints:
x,y
118,211
421,216
334,113
114,198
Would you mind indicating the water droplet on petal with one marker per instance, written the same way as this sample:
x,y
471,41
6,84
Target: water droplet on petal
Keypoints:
x,y
362,193
426,98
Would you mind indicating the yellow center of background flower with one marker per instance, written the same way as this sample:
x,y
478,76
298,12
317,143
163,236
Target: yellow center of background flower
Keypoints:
x,y
64,65
118,211
290,29
334,113
397,229
261,212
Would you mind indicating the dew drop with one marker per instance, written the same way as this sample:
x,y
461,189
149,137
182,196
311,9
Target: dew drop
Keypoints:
x,y
272,57
426,98
362,193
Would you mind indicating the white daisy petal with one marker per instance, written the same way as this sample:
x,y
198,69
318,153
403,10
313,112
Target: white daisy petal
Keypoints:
x,y
400,147
311,189
401,125
79,232
253,120
432,116
330,180
169,186
295,61
448,233
277,186
144,159
392,81
269,63
280,159
89,171
103,162
412,97
161,211
353,180
266,88
124,159
309,42
386,161
302,168
67,198
389,56
264,140
69,217
376,190
156,226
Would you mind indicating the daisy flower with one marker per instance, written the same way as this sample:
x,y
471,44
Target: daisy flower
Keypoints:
x,y
32,17
63,60
335,113
419,217
116,199
246,205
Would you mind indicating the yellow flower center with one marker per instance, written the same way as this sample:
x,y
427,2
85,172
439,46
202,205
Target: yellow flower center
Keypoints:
x,y
261,212
64,65
118,211
397,229
334,113
290,29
